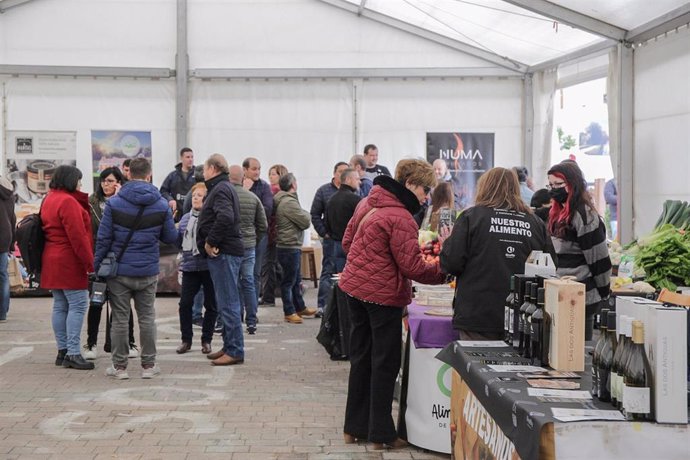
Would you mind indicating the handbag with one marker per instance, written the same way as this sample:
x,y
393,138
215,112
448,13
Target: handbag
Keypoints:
x,y
14,272
108,267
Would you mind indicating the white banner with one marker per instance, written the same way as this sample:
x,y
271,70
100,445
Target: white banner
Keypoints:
x,y
428,400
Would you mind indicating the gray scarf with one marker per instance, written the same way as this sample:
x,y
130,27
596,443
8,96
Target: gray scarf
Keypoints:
x,y
189,238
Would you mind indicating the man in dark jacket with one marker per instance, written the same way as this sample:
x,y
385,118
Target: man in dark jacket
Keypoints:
x,y
318,217
8,221
178,183
220,238
139,209
339,211
262,189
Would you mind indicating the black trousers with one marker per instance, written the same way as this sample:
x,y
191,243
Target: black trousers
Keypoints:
x,y
191,283
93,322
375,354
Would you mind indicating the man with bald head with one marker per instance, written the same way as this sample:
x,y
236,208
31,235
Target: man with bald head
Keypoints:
x,y
443,175
254,226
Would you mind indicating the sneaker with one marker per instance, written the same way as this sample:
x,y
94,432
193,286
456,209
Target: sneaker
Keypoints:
x,y
133,351
149,371
319,313
89,352
77,362
251,330
293,318
307,312
120,373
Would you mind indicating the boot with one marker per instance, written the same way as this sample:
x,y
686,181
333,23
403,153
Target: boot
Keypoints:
x,y
77,362
60,357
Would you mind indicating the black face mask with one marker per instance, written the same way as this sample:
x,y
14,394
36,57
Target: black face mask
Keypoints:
x,y
560,195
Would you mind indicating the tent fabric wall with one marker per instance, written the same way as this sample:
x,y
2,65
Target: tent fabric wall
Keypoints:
x,y
544,89
82,105
310,125
124,33
662,126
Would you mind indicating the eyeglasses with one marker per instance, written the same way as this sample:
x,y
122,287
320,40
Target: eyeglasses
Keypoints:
x,y
555,185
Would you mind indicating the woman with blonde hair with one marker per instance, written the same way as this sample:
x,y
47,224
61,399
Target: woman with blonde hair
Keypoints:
x,y
489,243
382,257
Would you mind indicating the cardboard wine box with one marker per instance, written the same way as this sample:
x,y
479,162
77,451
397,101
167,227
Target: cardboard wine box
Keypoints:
x,y
665,340
565,304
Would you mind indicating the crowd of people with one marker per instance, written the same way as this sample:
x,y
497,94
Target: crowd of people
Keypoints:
x,y
241,237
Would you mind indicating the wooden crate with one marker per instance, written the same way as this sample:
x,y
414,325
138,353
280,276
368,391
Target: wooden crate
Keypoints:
x,y
565,303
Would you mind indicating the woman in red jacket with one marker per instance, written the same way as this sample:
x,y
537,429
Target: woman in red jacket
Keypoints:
x,y
382,257
67,260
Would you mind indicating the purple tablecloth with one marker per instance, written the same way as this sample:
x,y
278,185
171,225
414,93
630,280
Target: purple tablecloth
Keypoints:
x,y
430,331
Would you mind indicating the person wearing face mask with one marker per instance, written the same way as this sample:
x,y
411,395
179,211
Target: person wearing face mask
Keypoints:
x,y
489,243
382,257
578,234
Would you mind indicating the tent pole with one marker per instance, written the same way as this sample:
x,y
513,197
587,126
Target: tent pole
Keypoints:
x,y
527,123
181,77
626,187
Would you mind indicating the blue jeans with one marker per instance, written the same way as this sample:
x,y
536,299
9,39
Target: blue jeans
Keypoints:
x,y
291,262
225,273
327,271
339,256
69,307
248,286
4,285
261,248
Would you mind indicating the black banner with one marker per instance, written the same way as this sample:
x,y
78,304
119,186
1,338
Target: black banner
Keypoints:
x,y
467,156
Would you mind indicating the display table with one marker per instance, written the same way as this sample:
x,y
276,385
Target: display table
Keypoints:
x,y
425,413
495,417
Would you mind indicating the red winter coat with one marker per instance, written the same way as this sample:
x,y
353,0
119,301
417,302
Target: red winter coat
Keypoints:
x,y
383,256
68,254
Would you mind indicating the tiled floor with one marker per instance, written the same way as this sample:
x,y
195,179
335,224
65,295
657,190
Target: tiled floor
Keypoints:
x,y
285,402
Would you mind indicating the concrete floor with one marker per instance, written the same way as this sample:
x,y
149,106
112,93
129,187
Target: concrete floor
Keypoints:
x,y
285,402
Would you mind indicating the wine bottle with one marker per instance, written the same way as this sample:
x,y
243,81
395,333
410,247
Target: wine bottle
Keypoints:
x,y
597,350
625,355
638,383
616,363
508,314
606,359
537,330
523,308
527,352
545,335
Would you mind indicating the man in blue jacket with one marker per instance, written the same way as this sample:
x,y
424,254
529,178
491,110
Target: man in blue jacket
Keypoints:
x,y
318,219
140,209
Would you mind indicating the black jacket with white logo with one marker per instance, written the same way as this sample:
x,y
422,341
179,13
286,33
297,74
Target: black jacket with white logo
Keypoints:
x,y
488,246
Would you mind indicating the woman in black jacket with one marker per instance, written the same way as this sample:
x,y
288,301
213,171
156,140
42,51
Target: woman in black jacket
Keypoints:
x,y
110,181
489,243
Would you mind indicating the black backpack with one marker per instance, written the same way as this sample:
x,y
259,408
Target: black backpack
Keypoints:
x,y
31,241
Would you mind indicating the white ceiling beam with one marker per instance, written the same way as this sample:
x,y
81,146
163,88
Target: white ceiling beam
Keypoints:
x,y
7,4
341,73
588,52
570,17
493,58
82,71
661,25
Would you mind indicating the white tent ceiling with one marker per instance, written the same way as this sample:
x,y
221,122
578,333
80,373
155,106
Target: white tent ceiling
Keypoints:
x,y
525,32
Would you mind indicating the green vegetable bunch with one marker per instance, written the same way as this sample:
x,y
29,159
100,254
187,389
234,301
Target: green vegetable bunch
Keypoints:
x,y
676,213
665,257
